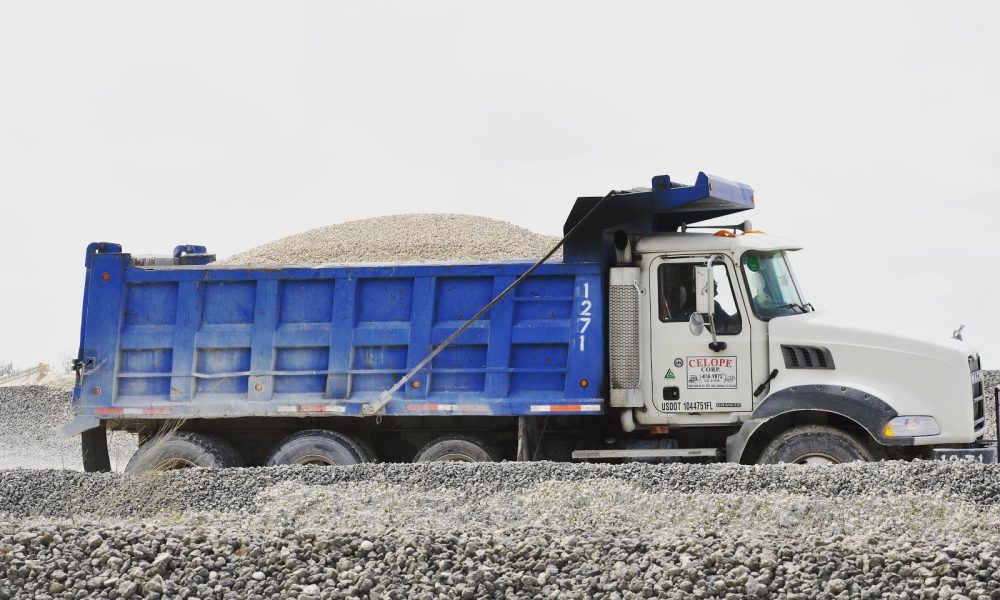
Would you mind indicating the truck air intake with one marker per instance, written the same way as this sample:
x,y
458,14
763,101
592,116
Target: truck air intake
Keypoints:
x,y
623,335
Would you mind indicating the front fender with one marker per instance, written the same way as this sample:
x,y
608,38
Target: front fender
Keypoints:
x,y
867,410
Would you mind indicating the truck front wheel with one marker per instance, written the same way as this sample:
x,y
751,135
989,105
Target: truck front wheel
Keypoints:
x,y
320,447
814,445
456,448
183,449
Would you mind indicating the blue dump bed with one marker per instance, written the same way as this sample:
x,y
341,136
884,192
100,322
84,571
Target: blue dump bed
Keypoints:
x,y
203,341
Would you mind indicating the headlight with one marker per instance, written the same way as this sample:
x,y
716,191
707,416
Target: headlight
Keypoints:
x,y
911,427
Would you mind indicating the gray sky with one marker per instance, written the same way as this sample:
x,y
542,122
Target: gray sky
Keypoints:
x,y
868,130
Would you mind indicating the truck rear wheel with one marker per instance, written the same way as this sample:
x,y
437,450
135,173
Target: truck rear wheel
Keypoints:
x,y
456,448
181,450
814,445
320,447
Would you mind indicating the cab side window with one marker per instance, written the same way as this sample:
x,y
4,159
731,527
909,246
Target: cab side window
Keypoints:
x,y
676,294
677,297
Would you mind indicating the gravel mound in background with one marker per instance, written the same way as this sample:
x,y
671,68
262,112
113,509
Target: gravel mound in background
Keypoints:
x,y
30,418
506,530
403,238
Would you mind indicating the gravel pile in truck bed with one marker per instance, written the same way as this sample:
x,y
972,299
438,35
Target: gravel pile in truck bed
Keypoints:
x,y
403,238
505,530
30,418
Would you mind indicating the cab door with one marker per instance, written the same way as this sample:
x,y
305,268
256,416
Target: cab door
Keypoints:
x,y
691,382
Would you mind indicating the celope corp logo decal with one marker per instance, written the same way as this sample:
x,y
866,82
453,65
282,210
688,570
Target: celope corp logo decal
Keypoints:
x,y
678,363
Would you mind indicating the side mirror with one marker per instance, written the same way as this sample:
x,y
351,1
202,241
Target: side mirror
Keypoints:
x,y
697,323
703,284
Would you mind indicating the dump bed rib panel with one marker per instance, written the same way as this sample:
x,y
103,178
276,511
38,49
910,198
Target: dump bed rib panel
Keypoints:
x,y
207,341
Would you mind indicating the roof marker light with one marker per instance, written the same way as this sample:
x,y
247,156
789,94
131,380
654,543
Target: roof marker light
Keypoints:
x,y
724,233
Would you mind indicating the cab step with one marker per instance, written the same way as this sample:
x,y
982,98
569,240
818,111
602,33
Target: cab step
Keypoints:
x,y
647,453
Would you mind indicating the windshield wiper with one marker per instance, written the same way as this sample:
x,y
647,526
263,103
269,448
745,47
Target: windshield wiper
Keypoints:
x,y
793,305
810,306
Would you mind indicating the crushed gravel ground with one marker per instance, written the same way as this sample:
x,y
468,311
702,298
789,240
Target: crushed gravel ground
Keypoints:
x,y
446,530
30,418
500,530
25,493
403,238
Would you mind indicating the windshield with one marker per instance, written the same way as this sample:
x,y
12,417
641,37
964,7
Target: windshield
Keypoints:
x,y
772,287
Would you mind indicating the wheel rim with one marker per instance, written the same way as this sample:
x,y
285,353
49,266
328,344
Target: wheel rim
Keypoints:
x,y
170,464
314,459
455,458
817,459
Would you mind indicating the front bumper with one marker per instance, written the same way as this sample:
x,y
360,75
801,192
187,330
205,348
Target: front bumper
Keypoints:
x,y
984,454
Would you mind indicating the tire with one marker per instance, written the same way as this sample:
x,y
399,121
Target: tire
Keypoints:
x,y
184,449
320,447
814,444
456,448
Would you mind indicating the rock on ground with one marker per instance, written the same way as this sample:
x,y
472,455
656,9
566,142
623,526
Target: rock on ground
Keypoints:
x,y
403,238
521,530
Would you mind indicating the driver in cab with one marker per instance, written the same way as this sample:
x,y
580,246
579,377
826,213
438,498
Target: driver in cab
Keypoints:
x,y
678,298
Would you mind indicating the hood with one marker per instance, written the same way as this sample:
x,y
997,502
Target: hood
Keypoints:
x,y
824,326
916,375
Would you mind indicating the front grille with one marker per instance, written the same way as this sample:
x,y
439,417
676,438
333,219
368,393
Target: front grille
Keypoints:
x,y
807,357
978,402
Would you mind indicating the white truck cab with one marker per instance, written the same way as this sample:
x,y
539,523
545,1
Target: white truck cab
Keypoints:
x,y
727,342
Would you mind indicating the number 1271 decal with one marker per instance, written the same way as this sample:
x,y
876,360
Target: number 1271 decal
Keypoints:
x,y
585,316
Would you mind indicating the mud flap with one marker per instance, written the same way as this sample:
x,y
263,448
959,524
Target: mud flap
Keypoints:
x,y
736,444
95,450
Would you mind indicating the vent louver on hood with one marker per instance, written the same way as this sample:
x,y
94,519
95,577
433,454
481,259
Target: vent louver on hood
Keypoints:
x,y
807,357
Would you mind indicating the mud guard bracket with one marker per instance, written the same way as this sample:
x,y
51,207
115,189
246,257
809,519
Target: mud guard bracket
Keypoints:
x,y
79,425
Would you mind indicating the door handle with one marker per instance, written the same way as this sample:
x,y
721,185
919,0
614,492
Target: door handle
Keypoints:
x,y
672,393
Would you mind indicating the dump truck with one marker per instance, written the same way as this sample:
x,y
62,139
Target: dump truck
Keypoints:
x,y
653,338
